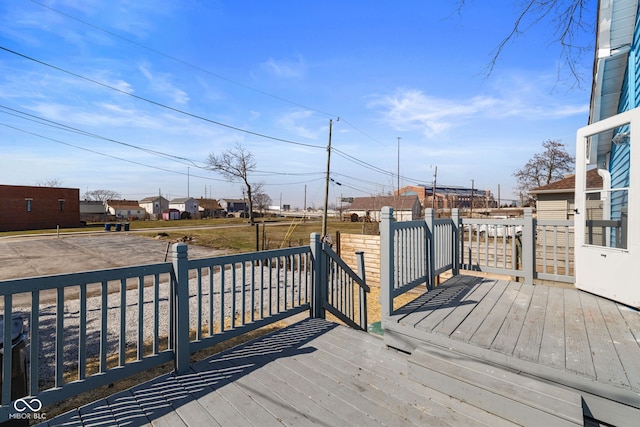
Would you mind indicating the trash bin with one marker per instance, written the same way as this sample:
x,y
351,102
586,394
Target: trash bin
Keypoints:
x,y
107,227
118,227
18,356
126,226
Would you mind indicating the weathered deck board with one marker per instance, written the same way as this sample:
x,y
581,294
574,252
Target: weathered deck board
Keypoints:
x,y
579,359
530,338
564,336
605,357
624,341
460,312
490,327
509,332
311,373
552,352
155,406
126,409
472,322
394,368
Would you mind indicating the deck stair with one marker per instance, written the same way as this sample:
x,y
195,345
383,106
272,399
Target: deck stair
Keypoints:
x,y
515,397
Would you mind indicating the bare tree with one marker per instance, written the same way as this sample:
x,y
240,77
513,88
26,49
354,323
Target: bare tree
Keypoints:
x,y
102,195
261,200
235,165
53,182
570,20
550,165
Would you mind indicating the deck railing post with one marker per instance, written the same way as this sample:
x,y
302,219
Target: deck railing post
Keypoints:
x,y
386,262
362,296
528,247
429,217
320,279
181,307
455,218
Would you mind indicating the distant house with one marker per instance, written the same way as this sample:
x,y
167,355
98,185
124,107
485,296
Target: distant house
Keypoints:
x,y
210,208
405,208
188,207
557,199
93,211
34,208
234,206
126,209
154,205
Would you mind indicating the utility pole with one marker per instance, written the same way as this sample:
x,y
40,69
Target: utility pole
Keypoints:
x,y
304,208
398,166
326,187
471,202
435,176
499,196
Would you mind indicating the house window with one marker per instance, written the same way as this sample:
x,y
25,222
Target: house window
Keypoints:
x,y
61,201
28,204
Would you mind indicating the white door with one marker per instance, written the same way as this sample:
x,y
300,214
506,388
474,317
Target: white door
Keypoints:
x,y
607,229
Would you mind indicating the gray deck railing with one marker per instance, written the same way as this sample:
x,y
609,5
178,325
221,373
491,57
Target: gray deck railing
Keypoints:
x,y
89,329
415,252
345,293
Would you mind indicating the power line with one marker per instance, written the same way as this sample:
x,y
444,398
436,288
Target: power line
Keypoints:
x,y
339,152
183,62
104,154
57,125
201,69
144,164
158,104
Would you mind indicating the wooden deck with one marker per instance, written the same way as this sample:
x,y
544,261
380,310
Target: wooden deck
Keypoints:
x,y
311,373
569,338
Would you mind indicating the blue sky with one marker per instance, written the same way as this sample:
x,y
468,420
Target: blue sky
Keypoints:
x,y
215,69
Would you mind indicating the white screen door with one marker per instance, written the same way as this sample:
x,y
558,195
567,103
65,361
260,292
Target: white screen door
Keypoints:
x,y
607,234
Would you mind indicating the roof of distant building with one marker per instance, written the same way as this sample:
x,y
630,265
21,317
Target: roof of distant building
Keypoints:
x,y
151,199
122,204
209,204
568,184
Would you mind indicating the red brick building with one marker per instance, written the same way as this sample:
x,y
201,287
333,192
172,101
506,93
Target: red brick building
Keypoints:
x,y
33,208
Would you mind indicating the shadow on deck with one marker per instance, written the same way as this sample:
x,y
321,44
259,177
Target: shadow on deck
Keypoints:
x,y
311,373
524,346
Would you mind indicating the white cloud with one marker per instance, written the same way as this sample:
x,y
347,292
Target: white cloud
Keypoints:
x,y
412,109
294,122
160,82
284,68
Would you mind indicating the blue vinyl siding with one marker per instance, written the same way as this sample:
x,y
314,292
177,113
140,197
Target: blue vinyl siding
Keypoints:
x,y
620,156
630,97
